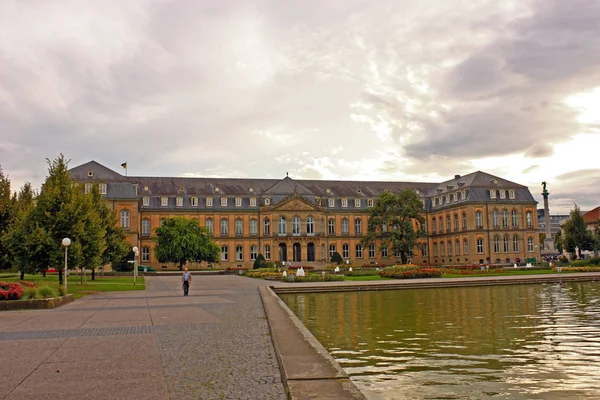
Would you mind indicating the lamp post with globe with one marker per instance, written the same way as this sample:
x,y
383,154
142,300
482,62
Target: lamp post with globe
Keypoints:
x,y
66,242
136,253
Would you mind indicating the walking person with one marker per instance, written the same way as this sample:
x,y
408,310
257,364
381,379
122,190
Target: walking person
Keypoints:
x,y
186,279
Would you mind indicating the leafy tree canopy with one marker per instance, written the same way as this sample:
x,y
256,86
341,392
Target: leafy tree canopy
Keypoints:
x,y
180,240
397,221
575,235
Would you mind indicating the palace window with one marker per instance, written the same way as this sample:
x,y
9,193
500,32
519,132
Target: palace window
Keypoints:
x,y
359,251
238,201
331,203
479,246
87,188
463,195
345,250
125,219
356,203
103,188
442,249
516,244
433,225
145,254
210,226
282,225
492,193
224,253
478,219
267,227
209,202
371,251
331,250
495,218
164,201
515,218
424,249
455,195
145,227
253,227
224,227
267,201
506,244
465,246
239,253
358,226
369,203
146,201
464,220
497,244
310,225
448,226
435,249
449,248
455,222
267,252
296,225
511,194
384,252
194,201
504,219
239,227
529,218
223,201
457,247
253,252
252,201
179,202
344,203
530,244
344,226
503,194
331,226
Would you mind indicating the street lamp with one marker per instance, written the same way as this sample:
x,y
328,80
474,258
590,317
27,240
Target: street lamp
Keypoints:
x,y
66,242
136,251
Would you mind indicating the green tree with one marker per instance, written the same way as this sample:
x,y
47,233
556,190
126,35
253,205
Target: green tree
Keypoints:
x,y
180,240
336,258
6,215
576,236
260,262
397,221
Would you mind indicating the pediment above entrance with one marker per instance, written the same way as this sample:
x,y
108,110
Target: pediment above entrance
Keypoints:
x,y
295,204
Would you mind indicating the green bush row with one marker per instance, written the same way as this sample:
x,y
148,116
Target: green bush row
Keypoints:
x,y
584,263
43,292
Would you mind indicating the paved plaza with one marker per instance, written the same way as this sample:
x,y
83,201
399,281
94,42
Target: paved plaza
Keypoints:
x,y
152,344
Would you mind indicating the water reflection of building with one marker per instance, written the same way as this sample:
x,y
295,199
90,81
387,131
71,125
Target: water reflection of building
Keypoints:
x,y
471,218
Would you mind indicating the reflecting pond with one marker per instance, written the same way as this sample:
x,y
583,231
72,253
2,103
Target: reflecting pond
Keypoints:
x,y
505,342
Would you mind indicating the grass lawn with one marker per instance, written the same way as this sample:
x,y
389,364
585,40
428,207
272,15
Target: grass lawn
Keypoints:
x,y
100,284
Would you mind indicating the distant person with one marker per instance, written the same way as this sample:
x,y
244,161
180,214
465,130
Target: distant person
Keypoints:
x,y
186,279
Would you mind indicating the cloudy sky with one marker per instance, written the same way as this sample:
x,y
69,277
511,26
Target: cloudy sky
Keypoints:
x,y
331,89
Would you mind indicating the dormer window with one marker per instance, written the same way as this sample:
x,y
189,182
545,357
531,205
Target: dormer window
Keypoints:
x,y
358,191
146,201
455,195
209,202
267,201
502,194
223,201
344,203
511,194
331,203
252,201
194,202
447,199
179,202
87,188
145,188
238,201
164,201
369,203
492,193
102,188
434,202
463,194
356,203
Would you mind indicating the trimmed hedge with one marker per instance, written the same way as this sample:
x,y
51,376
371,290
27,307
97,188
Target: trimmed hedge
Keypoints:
x,y
585,263
588,268
410,273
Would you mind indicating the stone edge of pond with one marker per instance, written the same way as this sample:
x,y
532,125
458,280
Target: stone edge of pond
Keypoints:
x,y
307,369
434,283
40,304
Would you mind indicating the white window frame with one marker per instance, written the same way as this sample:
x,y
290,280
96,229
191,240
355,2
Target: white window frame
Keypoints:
x,y
194,202
238,201
455,196
331,250
179,202
356,203
209,224
224,223
252,201
372,253
125,219
296,225
370,203
145,254
503,194
463,195
530,244
146,201
345,250
267,250
492,193
516,246
310,225
480,247
238,227
359,251
145,227
87,188
102,188
331,203
344,203
239,253
209,202
253,252
267,201
223,201
384,252
224,253
511,194
164,201
253,227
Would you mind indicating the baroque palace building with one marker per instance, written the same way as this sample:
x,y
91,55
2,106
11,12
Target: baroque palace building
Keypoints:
x,y
471,219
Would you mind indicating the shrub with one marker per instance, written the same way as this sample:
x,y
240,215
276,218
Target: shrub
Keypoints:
x,y
588,268
410,273
362,272
319,278
10,291
31,293
62,291
47,292
28,284
263,274
337,258
584,263
260,262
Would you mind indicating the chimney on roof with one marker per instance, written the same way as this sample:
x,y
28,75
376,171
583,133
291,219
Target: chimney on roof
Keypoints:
x,y
456,176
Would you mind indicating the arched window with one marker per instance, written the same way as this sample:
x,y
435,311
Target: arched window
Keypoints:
x,y
358,226
529,218
210,226
516,243
435,249
145,227
239,253
359,251
310,225
384,252
331,250
433,225
448,227
282,225
478,219
465,246
449,247
515,218
125,219
457,247
296,225
506,244
480,248
442,249
267,250
464,220
371,251
239,227
345,226
455,222
267,227
253,227
253,252
504,219
497,244
331,226
495,221
530,244
224,227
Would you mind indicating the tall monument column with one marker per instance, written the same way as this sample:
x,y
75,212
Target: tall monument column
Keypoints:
x,y
548,249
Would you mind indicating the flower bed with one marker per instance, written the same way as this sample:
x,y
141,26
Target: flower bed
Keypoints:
x,y
578,269
10,291
295,267
317,278
263,274
410,273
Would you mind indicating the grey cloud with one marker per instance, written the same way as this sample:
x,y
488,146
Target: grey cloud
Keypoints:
x,y
539,150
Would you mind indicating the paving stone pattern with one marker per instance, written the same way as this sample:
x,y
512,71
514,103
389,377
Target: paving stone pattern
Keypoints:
x,y
152,344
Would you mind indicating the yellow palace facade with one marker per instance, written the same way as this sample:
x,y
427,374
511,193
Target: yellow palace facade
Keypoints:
x,y
470,219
